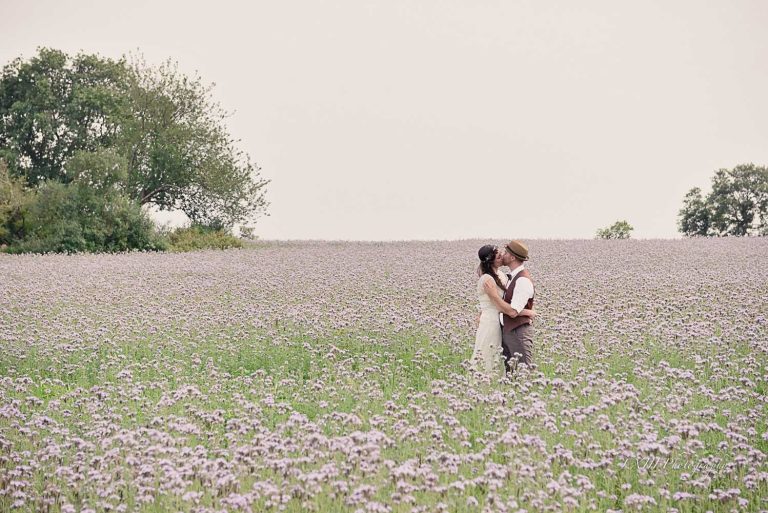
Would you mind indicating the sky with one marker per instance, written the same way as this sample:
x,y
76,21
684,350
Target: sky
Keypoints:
x,y
401,120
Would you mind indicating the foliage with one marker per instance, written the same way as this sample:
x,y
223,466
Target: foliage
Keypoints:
x,y
247,233
181,155
53,105
618,230
196,237
14,205
102,170
694,216
151,133
737,205
74,217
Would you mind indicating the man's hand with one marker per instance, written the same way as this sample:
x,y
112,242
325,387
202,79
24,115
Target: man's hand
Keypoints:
x,y
490,287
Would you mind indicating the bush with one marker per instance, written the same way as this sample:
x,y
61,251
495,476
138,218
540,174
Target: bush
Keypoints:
x,y
619,230
248,233
198,237
15,200
71,218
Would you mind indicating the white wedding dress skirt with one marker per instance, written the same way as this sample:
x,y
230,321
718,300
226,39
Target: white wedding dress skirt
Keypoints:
x,y
487,356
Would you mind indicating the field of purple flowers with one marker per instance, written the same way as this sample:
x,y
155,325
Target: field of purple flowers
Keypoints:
x,y
333,377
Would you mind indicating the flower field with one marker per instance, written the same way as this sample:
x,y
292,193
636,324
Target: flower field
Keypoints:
x,y
333,376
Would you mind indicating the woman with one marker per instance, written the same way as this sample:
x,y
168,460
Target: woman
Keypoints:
x,y
487,351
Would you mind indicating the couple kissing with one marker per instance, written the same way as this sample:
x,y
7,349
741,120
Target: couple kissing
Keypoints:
x,y
505,325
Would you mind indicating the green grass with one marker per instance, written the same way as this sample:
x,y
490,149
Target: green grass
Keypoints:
x,y
315,376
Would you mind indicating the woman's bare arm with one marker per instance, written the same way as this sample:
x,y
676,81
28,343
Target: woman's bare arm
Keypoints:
x,y
490,289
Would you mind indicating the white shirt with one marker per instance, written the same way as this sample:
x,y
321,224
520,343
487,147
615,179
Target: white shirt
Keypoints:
x,y
522,293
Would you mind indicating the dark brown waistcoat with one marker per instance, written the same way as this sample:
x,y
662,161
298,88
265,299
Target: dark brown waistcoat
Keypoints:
x,y
509,322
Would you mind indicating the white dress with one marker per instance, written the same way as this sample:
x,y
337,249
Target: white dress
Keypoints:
x,y
487,354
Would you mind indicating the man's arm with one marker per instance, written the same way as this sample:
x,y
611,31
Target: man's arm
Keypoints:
x,y
523,292
490,288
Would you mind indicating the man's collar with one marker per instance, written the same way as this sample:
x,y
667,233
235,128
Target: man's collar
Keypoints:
x,y
515,271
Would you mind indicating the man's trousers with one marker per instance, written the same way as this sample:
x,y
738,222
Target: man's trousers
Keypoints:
x,y
518,340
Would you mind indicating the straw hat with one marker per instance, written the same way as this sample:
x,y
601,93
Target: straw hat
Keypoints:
x,y
519,249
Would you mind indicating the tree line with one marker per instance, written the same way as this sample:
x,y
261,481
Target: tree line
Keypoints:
x,y
736,206
86,141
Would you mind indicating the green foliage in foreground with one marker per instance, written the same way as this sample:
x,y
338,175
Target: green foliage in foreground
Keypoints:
x,y
618,230
269,377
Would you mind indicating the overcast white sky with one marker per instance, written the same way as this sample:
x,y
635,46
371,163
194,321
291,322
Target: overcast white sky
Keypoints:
x,y
393,120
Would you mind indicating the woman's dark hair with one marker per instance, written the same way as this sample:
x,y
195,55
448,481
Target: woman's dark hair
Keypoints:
x,y
487,254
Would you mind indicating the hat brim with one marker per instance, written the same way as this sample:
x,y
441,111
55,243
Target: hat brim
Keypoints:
x,y
519,257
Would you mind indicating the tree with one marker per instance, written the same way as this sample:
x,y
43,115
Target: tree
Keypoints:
x,y
618,230
180,154
737,204
53,106
163,127
695,215
103,170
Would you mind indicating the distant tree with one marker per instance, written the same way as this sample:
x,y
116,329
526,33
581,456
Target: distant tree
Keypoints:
x,y
737,205
618,230
167,133
53,106
180,155
695,215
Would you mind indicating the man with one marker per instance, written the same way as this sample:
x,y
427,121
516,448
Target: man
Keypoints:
x,y
516,330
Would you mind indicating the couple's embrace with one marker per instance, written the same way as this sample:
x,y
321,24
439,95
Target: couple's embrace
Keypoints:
x,y
505,326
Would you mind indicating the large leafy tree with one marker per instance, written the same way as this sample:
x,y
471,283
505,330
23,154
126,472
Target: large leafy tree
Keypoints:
x,y
165,134
180,154
53,106
737,204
